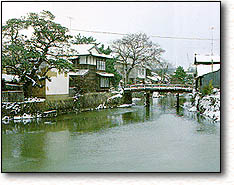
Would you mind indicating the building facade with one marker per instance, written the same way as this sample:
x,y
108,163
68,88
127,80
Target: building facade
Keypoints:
x,y
90,65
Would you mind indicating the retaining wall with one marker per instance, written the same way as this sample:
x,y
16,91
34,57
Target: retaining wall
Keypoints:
x,y
81,103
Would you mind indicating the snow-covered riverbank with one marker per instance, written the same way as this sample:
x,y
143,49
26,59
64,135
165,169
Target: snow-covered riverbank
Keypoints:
x,y
208,106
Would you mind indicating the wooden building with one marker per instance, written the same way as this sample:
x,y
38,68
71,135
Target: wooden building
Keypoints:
x,y
90,64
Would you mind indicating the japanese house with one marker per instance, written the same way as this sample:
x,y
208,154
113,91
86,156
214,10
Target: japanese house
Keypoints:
x,y
90,64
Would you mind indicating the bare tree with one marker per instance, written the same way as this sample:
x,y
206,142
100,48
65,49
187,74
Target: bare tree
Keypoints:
x,y
136,49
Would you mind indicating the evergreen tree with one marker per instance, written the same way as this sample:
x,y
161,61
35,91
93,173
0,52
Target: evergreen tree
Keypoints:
x,y
106,51
179,77
79,39
110,63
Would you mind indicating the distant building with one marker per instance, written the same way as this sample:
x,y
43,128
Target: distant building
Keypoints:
x,y
207,69
137,75
156,78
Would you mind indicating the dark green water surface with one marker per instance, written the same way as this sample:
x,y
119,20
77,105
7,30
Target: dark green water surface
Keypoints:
x,y
137,139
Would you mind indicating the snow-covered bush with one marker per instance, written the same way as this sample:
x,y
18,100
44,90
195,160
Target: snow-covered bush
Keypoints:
x,y
208,105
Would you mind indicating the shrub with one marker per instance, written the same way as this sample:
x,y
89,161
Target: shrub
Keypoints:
x,y
83,85
207,89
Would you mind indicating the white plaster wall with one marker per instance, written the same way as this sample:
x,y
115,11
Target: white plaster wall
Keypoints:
x,y
58,85
94,51
82,59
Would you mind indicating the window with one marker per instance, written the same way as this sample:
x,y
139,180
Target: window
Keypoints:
x,y
141,72
104,82
101,65
76,62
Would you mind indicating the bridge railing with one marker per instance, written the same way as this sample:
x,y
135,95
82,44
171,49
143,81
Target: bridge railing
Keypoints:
x,y
157,85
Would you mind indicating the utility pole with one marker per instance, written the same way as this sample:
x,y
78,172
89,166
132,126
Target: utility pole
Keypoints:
x,y
212,40
212,45
70,19
188,59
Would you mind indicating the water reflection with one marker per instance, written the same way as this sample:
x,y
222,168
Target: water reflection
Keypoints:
x,y
147,112
94,121
143,137
28,147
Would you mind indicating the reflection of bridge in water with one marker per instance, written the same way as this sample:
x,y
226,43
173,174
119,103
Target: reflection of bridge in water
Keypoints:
x,y
150,88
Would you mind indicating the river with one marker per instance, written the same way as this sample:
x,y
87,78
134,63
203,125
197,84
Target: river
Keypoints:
x,y
136,139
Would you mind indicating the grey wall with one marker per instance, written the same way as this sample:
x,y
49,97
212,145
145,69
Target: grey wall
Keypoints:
x,y
214,76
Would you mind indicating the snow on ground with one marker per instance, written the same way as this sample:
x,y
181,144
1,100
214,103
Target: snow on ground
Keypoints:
x,y
208,106
156,95
31,100
112,98
10,78
136,99
101,106
15,108
125,105
115,96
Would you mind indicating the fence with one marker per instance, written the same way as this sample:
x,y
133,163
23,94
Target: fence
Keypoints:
x,y
12,96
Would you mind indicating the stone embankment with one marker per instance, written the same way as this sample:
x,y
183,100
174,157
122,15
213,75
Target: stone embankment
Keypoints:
x,y
208,106
37,107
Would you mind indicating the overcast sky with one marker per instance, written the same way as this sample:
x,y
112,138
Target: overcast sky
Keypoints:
x,y
166,19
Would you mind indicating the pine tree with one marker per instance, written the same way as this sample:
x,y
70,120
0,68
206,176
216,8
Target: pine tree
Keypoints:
x,y
31,57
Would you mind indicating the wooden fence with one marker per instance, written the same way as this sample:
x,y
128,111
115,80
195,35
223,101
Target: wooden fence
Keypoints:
x,y
12,96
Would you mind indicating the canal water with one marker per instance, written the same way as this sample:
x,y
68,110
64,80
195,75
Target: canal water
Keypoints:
x,y
136,139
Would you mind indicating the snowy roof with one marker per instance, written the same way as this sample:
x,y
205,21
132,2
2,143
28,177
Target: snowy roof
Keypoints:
x,y
82,49
154,78
204,69
80,72
10,78
105,74
206,59
72,58
155,75
87,49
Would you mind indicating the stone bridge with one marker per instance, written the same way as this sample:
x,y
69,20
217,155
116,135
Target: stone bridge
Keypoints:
x,y
150,88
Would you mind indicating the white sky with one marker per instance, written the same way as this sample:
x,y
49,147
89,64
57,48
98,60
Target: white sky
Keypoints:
x,y
180,19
